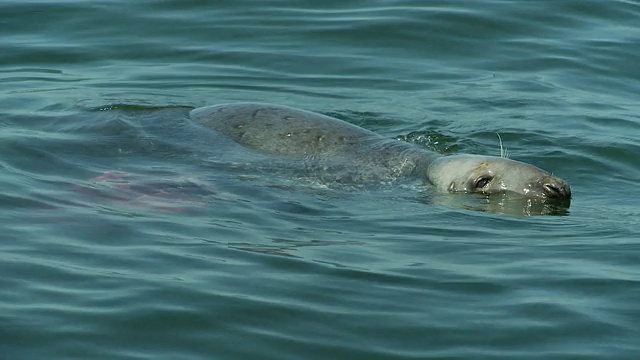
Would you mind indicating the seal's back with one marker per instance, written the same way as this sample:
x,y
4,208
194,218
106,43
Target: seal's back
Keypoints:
x,y
282,130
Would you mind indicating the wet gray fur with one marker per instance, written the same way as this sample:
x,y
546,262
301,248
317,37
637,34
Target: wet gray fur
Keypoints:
x,y
281,130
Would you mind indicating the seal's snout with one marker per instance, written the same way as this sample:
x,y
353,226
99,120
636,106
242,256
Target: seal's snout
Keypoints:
x,y
556,189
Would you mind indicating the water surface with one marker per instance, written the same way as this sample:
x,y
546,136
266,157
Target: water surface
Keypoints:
x,y
128,232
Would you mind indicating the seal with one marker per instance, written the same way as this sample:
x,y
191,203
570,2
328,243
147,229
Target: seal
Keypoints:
x,y
286,131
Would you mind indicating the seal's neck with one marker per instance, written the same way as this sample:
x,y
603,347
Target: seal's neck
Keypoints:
x,y
408,159
422,159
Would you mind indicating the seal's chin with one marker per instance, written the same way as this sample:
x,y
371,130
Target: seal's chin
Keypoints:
x,y
519,205
503,202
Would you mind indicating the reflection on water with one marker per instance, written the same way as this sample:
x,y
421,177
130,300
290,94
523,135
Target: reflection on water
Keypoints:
x,y
500,203
287,247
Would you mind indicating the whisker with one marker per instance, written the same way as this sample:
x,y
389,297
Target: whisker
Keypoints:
x,y
504,153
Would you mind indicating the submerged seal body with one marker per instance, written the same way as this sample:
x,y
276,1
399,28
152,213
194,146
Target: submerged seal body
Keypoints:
x,y
282,130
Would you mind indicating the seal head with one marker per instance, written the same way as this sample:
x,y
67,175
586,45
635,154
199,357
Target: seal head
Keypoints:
x,y
491,174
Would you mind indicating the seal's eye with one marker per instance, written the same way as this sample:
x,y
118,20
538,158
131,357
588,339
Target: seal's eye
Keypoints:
x,y
482,181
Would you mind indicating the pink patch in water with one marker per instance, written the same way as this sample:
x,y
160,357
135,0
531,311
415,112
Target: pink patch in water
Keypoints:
x,y
123,188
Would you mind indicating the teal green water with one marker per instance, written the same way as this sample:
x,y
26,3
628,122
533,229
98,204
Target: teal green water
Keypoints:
x,y
127,232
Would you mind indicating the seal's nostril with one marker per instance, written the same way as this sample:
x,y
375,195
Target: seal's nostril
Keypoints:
x,y
556,190
552,190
